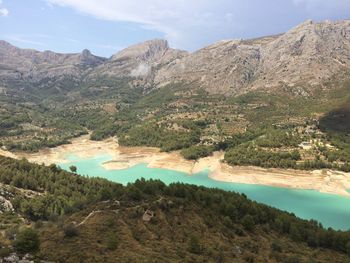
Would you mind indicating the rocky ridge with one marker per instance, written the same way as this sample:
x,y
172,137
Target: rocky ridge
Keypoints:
x,y
307,55
302,58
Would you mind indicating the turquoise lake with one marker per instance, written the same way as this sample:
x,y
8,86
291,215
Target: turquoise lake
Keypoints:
x,y
331,210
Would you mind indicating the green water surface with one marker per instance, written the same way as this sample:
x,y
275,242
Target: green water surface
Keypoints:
x,y
331,210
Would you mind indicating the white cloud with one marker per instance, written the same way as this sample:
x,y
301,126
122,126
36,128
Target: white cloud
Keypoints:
x,y
3,11
181,21
190,24
323,5
24,39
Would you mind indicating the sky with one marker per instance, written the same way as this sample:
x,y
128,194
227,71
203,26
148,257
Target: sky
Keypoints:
x,y
107,26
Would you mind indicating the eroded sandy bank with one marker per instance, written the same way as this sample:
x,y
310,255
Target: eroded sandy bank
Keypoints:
x,y
124,157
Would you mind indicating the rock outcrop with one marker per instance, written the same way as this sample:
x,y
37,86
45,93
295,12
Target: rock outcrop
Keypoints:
x,y
140,60
32,65
308,55
298,60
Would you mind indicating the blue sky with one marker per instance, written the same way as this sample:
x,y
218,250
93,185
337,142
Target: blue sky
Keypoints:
x,y
106,26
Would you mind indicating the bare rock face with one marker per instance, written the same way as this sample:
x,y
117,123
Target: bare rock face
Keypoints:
x,y
28,64
302,58
219,68
308,55
85,58
139,61
148,51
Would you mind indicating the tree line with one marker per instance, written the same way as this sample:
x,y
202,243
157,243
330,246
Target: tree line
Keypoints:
x,y
63,193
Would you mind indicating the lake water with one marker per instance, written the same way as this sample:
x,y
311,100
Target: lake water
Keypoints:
x,y
331,210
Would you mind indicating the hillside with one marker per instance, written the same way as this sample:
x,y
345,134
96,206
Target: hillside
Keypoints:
x,y
70,218
301,59
283,97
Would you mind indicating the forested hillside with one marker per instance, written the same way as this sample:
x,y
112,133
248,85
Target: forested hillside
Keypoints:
x,y
238,96
64,217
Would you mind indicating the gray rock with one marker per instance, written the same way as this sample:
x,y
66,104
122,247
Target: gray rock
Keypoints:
x,y
306,56
12,258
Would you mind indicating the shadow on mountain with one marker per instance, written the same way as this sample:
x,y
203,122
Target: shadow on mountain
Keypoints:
x,y
337,120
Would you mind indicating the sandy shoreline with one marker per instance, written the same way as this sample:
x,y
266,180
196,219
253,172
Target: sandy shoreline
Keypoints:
x,y
325,181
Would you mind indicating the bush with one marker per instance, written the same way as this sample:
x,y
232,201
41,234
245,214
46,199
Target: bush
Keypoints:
x,y
38,224
134,193
112,241
73,168
276,247
293,259
11,232
27,241
5,252
194,245
70,230
248,222
347,247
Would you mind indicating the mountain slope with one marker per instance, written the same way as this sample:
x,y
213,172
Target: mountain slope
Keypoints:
x,y
301,59
139,62
216,98
93,220
307,55
27,64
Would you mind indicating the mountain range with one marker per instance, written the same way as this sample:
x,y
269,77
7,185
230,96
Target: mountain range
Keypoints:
x,y
278,101
232,86
306,56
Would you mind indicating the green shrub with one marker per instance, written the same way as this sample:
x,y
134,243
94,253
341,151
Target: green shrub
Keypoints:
x,y
112,241
70,230
27,241
347,247
5,252
73,168
276,246
248,222
193,245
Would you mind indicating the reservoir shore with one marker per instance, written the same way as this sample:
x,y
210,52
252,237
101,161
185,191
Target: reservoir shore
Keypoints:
x,y
325,181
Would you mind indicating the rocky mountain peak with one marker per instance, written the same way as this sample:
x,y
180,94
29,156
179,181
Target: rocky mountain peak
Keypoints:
x,y
303,57
86,53
88,59
307,54
4,44
149,50
140,60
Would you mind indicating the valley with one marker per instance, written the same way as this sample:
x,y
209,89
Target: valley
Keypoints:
x,y
55,211
240,149
124,165
121,157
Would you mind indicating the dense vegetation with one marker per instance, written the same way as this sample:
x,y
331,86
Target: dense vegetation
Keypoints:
x,y
280,147
249,154
63,197
158,136
255,128
197,151
63,192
